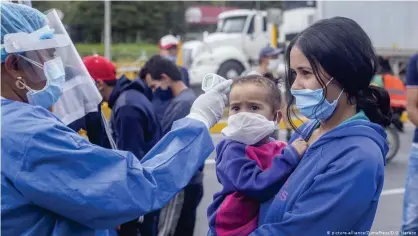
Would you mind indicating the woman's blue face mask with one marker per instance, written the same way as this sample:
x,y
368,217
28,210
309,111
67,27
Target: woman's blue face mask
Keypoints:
x,y
312,105
55,79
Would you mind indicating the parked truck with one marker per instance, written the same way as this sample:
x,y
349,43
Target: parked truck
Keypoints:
x,y
233,48
242,33
388,24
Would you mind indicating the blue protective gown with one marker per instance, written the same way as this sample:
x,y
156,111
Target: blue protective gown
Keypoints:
x,y
54,182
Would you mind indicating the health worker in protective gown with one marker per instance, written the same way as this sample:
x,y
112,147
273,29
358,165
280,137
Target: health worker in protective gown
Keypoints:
x,y
54,182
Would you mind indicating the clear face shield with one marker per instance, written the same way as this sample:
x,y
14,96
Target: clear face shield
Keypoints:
x,y
47,52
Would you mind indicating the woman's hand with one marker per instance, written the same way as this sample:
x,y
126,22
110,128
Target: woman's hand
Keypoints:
x,y
300,145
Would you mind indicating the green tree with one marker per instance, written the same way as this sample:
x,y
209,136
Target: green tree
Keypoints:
x,y
133,21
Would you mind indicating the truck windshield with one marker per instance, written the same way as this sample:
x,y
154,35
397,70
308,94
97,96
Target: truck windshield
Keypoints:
x,y
232,24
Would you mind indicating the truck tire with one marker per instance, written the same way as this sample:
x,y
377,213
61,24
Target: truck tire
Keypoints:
x,y
230,69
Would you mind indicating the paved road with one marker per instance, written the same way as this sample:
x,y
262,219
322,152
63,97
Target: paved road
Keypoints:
x,y
389,212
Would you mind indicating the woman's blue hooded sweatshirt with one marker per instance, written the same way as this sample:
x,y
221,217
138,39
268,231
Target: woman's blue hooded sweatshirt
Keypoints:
x,y
336,186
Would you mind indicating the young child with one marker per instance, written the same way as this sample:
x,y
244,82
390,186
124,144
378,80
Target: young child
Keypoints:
x,y
254,113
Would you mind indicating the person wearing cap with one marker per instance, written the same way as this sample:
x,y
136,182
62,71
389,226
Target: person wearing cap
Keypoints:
x,y
169,49
168,46
178,217
91,125
133,121
268,61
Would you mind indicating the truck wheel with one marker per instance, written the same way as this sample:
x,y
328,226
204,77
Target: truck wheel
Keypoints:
x,y
230,69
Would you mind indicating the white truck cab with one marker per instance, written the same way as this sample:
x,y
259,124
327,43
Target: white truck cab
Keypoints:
x,y
233,48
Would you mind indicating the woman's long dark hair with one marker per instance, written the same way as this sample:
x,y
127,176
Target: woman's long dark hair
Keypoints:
x,y
344,51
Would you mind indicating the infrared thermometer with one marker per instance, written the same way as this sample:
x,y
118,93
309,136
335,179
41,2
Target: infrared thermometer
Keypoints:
x,y
211,80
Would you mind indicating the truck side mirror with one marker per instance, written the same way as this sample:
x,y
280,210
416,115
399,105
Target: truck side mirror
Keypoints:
x,y
258,24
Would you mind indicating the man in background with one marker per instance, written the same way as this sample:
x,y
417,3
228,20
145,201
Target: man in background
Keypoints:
x,y
268,61
168,48
410,205
91,125
179,216
134,125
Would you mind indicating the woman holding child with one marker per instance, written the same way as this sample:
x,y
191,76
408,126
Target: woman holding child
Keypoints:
x,y
330,176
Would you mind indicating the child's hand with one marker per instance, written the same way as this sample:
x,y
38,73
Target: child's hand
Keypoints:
x,y
300,145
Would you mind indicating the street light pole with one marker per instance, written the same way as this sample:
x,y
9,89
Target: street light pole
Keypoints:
x,y
107,30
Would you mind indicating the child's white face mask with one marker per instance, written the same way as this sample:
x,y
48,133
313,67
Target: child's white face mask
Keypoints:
x,y
248,128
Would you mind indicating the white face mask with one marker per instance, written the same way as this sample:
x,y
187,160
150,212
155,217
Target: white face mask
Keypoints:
x,y
273,65
248,128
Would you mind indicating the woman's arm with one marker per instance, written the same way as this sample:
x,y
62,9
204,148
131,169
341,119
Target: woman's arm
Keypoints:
x,y
101,188
336,200
239,173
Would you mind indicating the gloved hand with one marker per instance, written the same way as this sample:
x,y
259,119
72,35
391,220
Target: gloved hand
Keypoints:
x,y
209,107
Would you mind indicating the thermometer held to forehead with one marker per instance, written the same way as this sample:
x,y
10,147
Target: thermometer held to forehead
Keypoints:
x,y
211,80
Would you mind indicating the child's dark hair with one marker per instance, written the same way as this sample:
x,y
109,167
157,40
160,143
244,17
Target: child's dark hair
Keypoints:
x,y
269,82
